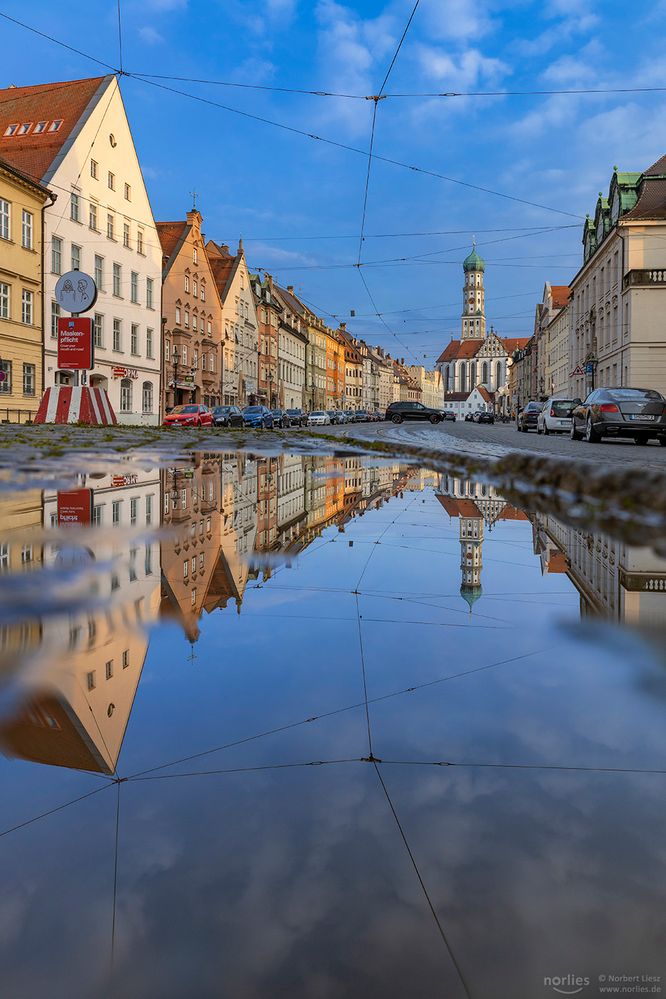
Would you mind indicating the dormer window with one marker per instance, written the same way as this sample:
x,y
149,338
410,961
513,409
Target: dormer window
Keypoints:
x,y
25,128
39,127
11,130
55,125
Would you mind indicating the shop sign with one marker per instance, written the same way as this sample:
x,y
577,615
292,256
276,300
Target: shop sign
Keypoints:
x,y
121,372
75,344
75,507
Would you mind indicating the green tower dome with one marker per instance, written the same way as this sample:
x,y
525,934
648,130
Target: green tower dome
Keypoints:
x,y
470,595
474,262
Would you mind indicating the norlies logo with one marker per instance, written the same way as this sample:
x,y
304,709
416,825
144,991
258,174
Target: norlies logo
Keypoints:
x,y
567,985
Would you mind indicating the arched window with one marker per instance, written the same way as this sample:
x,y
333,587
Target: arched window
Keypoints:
x,y
484,373
498,374
126,396
472,374
147,397
463,377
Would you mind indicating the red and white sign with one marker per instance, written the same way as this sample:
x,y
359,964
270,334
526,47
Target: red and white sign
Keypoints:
x,y
120,372
76,404
75,507
75,343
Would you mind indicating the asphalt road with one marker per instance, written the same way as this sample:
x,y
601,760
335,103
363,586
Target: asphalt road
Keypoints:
x,y
493,441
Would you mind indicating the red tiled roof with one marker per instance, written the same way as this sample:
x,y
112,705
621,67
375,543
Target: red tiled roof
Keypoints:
x,y
512,513
170,234
457,349
514,343
35,152
560,294
456,396
459,507
222,264
558,562
485,394
657,169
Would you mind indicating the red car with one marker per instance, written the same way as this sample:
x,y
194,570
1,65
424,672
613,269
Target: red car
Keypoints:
x,y
190,415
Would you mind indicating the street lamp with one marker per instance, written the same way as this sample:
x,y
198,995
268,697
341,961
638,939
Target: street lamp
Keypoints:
x,y
269,378
176,361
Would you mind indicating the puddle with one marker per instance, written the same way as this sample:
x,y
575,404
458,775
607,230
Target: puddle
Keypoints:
x,y
323,726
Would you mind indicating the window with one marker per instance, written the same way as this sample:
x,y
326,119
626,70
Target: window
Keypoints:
x,y
139,241
93,169
117,334
195,255
26,230
111,180
125,659
6,385
186,569
134,510
5,219
147,407
150,348
187,319
90,680
126,234
55,316
92,218
56,255
149,293
4,301
210,328
149,498
126,396
178,315
115,513
195,289
26,307
74,207
97,514
99,272
117,276
28,379
187,284
55,125
195,323
134,287
98,330
184,355
76,257
195,358
110,226
167,350
203,292
11,129
108,669
134,338
128,192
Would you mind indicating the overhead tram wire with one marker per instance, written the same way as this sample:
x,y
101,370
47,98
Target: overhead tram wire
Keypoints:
x,y
120,40
56,41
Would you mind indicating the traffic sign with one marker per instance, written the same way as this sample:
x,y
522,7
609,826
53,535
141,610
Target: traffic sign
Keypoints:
x,y
75,344
76,291
3,376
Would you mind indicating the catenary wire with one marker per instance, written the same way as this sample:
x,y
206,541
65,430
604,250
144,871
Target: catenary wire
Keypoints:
x,y
397,51
56,41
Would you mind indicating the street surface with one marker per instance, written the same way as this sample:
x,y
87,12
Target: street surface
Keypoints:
x,y
494,441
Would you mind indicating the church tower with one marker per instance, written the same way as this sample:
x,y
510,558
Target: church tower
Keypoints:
x,y
474,305
471,557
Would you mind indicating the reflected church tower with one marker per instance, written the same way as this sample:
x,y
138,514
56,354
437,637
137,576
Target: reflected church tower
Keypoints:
x,y
471,556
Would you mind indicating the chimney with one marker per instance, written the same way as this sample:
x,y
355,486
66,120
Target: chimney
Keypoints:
x,y
224,247
290,289
343,326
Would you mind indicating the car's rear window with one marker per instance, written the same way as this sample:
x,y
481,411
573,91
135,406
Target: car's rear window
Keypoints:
x,y
561,407
252,409
629,393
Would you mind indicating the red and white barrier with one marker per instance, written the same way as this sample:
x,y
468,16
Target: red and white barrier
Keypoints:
x,y
76,404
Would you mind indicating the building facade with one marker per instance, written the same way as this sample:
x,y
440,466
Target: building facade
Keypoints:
x,y
75,138
292,346
22,201
191,316
240,331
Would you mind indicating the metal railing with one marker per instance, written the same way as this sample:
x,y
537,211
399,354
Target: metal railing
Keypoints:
x,y
11,414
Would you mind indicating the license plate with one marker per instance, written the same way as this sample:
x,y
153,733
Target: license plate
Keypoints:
x,y
641,416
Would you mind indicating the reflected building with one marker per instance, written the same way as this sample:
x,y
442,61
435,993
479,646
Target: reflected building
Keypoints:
x,y
626,583
75,687
20,551
478,507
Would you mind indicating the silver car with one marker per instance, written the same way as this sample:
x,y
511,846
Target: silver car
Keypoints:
x,y
555,417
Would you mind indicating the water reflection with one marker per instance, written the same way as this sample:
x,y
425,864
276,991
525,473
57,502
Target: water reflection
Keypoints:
x,y
265,679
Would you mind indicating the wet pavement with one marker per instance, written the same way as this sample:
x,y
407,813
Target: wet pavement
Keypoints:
x,y
323,725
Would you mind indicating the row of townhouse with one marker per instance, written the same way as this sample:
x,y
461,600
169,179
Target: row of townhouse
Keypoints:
x,y
605,328
178,318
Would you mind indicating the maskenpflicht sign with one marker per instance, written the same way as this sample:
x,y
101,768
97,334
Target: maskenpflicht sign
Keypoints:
x,y
76,291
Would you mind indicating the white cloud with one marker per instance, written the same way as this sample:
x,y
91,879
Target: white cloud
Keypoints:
x,y
461,20
576,69
150,35
462,70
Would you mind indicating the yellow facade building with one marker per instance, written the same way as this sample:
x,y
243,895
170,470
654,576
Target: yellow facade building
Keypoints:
x,y
21,315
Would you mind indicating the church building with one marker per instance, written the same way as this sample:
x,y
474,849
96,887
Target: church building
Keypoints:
x,y
476,367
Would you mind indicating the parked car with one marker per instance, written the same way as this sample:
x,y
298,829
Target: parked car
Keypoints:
x,y
227,416
258,417
280,418
349,415
481,416
360,416
319,418
336,416
527,417
555,417
620,412
469,417
189,415
399,411
297,417
449,415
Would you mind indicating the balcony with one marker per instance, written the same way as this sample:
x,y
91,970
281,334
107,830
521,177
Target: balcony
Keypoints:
x,y
645,279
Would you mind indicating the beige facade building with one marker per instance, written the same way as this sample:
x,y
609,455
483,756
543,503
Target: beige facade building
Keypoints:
x,y
240,375
557,348
619,294
430,383
22,202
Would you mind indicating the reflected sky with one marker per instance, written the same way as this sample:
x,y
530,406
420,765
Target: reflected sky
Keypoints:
x,y
322,726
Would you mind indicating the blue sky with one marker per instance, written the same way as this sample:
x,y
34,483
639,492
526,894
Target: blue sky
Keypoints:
x,y
266,183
